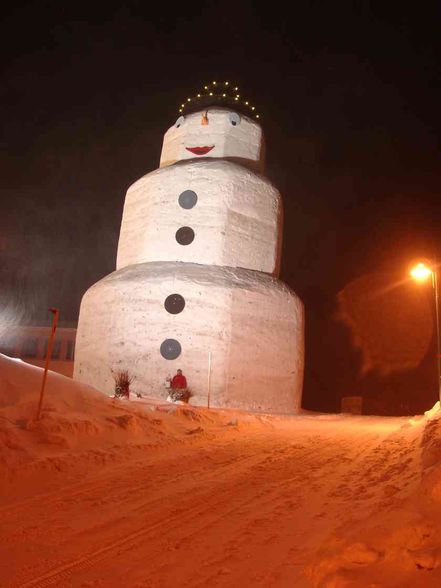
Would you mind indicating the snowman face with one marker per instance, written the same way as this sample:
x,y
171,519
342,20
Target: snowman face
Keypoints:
x,y
217,133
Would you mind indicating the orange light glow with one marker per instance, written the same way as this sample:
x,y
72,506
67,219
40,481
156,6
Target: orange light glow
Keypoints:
x,y
421,272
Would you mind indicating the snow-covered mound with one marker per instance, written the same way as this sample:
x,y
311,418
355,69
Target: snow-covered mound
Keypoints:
x,y
20,385
73,414
399,543
75,418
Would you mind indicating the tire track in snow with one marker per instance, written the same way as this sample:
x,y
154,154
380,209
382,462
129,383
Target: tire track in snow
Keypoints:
x,y
285,557
131,540
211,470
272,454
72,488
259,526
77,490
264,500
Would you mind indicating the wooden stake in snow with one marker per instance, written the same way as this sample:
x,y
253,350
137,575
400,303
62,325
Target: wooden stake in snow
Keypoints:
x,y
55,312
209,379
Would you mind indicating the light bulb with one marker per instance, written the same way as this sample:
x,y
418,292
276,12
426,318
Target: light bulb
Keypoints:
x,y
421,272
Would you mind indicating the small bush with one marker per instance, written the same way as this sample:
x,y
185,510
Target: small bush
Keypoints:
x,y
182,394
122,383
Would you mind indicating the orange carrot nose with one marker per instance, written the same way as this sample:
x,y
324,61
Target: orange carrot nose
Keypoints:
x,y
204,120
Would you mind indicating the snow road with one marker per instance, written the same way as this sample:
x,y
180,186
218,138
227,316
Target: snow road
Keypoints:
x,y
245,506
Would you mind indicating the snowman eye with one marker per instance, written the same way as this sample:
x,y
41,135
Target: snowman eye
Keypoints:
x,y
179,122
234,118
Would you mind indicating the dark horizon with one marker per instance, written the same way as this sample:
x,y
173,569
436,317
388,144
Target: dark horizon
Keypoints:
x,y
349,98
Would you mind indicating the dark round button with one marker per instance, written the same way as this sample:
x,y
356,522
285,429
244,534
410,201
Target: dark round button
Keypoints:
x,y
184,235
170,349
174,304
187,199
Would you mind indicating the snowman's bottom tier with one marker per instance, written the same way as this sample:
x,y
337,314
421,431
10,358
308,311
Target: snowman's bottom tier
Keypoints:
x,y
155,318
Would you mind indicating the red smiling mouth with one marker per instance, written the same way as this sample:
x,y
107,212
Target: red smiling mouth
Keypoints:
x,y
200,150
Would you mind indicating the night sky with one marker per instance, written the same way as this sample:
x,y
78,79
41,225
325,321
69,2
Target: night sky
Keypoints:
x,y
350,96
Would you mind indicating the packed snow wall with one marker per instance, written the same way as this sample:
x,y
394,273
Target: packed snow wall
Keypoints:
x,y
197,267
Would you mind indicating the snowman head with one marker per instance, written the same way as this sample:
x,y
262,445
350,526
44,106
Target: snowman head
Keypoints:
x,y
215,132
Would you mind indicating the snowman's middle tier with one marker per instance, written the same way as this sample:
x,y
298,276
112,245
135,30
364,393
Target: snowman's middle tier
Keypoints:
x,y
206,211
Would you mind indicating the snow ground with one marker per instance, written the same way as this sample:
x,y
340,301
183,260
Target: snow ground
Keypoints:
x,y
107,493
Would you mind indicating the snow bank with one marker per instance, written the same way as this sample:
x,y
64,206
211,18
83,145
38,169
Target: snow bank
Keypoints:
x,y
78,423
398,544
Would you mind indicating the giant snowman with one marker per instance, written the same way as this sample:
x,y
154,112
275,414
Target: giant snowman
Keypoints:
x,y
195,286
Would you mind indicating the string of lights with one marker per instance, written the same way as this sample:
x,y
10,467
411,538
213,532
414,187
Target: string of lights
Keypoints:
x,y
224,91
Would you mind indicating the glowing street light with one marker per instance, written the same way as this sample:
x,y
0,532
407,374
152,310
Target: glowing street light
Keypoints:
x,y
421,272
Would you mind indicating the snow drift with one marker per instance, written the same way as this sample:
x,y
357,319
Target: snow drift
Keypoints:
x,y
77,419
398,544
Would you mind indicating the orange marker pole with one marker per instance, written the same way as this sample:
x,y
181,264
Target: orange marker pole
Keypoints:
x,y
209,380
55,312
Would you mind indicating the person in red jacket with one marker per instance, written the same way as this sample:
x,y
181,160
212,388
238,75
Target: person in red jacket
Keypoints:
x,y
179,381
